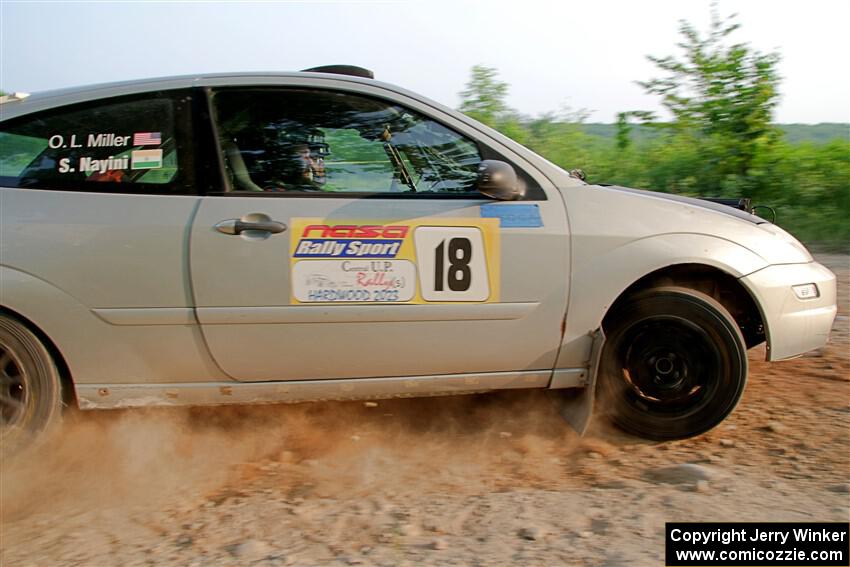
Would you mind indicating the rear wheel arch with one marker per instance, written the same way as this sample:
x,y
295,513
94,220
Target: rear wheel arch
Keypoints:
x,y
69,398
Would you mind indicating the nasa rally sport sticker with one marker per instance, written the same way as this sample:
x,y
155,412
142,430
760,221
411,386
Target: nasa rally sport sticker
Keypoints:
x,y
423,261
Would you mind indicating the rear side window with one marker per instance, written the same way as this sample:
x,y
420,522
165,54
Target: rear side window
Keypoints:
x,y
117,146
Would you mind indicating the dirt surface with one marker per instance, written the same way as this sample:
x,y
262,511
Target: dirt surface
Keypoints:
x,y
473,480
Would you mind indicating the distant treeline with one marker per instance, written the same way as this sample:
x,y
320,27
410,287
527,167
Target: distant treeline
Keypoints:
x,y
806,182
793,133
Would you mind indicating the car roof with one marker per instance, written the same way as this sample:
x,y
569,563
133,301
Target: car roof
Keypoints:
x,y
21,104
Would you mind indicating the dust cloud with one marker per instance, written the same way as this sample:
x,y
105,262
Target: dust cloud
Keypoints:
x,y
145,458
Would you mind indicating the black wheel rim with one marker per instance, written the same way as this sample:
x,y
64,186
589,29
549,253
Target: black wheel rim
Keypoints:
x,y
669,366
13,391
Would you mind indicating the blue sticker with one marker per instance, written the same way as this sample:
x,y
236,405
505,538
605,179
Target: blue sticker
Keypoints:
x,y
513,216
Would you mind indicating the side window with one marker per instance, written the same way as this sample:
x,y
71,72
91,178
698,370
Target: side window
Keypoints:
x,y
300,140
126,146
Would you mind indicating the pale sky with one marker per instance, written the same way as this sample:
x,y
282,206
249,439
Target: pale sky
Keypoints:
x,y
583,55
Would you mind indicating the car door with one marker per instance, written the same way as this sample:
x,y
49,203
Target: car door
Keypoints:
x,y
348,241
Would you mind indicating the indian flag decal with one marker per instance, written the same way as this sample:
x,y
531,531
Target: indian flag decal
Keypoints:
x,y
146,159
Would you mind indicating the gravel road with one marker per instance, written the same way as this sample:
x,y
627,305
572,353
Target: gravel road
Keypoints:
x,y
472,480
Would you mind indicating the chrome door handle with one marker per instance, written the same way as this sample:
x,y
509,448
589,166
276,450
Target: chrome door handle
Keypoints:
x,y
237,226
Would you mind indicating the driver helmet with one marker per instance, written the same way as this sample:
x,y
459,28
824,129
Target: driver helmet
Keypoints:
x,y
309,149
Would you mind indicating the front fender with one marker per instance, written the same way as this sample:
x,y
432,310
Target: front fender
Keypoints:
x,y
599,276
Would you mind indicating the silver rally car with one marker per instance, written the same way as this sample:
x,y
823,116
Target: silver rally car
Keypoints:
x,y
321,235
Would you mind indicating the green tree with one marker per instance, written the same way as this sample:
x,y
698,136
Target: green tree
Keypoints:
x,y
722,98
484,96
624,131
623,134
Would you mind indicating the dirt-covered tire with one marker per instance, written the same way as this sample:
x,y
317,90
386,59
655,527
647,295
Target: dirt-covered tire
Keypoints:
x,y
674,364
30,386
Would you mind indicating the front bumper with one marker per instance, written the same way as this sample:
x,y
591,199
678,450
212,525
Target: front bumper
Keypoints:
x,y
793,325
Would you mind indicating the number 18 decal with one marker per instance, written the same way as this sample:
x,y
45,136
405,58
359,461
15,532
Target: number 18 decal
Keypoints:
x,y
452,263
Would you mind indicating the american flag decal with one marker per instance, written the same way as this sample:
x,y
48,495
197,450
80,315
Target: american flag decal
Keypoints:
x,y
147,139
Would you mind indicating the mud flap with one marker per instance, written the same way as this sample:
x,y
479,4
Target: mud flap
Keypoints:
x,y
576,404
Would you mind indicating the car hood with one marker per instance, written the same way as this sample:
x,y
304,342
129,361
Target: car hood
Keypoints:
x,y
717,207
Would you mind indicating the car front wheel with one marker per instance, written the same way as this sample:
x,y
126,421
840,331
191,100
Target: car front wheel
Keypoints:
x,y
674,364
30,387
